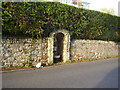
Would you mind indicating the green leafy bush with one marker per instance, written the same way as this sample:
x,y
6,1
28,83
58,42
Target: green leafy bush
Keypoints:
x,y
41,18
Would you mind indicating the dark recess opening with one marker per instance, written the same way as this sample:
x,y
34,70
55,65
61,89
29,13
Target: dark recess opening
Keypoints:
x,y
58,47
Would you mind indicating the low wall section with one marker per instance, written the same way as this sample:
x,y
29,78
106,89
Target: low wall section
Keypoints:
x,y
93,49
24,51
21,52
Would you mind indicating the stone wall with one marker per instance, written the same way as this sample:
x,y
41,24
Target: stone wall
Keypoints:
x,y
28,51
21,52
88,49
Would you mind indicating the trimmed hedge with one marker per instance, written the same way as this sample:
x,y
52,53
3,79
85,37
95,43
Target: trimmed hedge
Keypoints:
x,y
41,18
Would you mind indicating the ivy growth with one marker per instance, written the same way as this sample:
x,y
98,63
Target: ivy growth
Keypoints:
x,y
39,19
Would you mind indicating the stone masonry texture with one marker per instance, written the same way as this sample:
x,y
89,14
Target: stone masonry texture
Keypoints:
x,y
92,49
20,52
24,51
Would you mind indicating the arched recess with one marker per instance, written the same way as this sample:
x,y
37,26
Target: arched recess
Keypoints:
x,y
65,45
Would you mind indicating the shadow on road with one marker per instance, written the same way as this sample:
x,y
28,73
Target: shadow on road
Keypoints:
x,y
110,80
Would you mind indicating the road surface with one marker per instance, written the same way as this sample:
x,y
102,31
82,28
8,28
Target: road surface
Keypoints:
x,y
96,74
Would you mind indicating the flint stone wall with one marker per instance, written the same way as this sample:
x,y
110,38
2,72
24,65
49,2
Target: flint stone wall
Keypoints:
x,y
20,52
89,49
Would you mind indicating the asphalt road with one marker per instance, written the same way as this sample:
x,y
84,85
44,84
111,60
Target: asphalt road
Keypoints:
x,y
96,74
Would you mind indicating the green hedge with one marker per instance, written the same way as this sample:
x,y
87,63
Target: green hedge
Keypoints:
x,y
41,18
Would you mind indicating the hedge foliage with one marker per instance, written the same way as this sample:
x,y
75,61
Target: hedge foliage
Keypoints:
x,y
41,18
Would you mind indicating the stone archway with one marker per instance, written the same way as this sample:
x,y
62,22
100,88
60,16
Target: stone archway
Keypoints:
x,y
63,42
